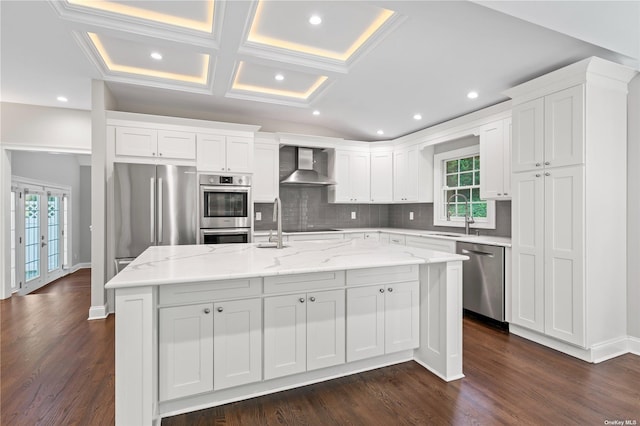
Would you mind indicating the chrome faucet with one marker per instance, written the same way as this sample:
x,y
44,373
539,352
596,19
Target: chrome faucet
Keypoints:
x,y
468,218
277,216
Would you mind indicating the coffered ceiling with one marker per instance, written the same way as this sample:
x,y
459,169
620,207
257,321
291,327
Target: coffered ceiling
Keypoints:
x,y
352,69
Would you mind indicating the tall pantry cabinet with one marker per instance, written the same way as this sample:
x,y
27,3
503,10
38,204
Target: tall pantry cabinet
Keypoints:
x,y
569,210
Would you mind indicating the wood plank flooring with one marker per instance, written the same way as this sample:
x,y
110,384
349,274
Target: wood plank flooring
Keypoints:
x,y
56,368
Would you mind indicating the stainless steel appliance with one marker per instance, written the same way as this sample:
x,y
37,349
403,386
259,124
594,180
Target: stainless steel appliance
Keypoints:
x,y
153,205
483,279
304,173
225,209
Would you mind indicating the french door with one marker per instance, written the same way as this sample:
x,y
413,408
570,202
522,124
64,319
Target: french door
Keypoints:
x,y
39,223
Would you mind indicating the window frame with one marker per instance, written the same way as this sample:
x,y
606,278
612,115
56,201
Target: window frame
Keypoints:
x,y
439,202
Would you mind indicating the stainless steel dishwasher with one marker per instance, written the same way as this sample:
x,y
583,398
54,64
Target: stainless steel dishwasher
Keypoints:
x,y
483,279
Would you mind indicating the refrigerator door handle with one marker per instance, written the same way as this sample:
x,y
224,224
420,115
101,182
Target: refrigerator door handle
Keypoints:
x,y
152,208
160,207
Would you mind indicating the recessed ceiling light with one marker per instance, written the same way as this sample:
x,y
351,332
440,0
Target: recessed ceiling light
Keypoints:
x,y
472,95
156,55
316,112
417,116
279,77
62,99
380,132
315,20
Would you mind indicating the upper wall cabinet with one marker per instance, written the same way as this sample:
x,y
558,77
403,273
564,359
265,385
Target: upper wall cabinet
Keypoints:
x,y
229,154
266,172
495,154
413,174
382,177
549,131
351,171
151,143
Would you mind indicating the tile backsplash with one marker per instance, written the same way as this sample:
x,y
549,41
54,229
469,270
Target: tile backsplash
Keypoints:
x,y
305,208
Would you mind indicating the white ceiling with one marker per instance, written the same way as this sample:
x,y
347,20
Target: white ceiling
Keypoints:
x,y
369,65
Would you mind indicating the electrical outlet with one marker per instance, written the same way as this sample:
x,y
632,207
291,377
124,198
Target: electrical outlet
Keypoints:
x,y
410,215
258,215
353,215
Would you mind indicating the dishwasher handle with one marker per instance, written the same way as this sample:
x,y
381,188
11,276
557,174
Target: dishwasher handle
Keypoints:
x,y
477,253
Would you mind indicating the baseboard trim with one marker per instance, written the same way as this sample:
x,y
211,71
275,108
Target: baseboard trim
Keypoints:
x,y
98,312
78,266
634,345
608,350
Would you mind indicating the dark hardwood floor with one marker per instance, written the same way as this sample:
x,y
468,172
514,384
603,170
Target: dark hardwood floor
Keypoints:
x,y
57,369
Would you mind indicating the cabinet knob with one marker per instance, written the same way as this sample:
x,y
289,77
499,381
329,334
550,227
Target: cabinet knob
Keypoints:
x,y
505,193
301,300
390,289
537,174
220,309
538,164
499,194
546,163
153,153
160,154
382,290
207,310
547,174
313,299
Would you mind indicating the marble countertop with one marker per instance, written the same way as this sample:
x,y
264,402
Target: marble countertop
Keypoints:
x,y
480,239
194,263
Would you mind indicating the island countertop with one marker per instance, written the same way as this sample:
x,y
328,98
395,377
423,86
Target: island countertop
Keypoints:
x,y
194,263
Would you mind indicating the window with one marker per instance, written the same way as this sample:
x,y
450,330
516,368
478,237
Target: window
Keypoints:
x,y
457,186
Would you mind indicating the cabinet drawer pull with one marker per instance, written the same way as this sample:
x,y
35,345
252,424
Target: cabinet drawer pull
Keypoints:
x,y
499,194
313,299
220,309
538,164
301,300
390,289
382,290
547,174
537,174
546,163
207,310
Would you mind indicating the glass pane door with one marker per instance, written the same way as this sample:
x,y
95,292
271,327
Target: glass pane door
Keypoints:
x,y
53,232
14,281
32,235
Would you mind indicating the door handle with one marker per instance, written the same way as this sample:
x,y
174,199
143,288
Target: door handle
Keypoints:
x,y
152,209
160,206
42,244
477,253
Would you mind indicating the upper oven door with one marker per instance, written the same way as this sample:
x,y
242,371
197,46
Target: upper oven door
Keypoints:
x,y
225,207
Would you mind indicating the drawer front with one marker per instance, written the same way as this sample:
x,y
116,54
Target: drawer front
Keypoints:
x,y
354,236
303,282
397,239
211,290
312,237
391,274
432,244
372,236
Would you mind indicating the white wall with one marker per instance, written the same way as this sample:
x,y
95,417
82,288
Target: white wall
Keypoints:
x,y
633,209
85,214
54,169
45,128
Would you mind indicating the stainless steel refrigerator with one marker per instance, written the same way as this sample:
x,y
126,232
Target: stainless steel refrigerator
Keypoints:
x,y
153,205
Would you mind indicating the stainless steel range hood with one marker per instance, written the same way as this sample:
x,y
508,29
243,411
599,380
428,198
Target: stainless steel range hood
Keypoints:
x,y
304,173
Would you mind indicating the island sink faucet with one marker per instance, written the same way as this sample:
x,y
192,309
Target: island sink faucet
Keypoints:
x,y
277,216
468,218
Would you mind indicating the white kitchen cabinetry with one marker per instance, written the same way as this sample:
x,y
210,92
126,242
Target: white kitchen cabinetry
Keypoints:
x,y
495,154
217,153
303,332
186,350
237,342
413,174
569,155
382,319
437,244
351,171
151,143
381,177
393,238
266,172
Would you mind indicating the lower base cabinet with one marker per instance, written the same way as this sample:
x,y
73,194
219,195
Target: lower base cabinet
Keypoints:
x,y
209,346
382,319
303,332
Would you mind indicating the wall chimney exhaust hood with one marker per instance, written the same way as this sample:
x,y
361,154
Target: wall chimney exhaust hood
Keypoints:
x,y
304,173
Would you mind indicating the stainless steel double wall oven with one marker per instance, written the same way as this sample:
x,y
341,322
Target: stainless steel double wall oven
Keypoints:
x,y
225,209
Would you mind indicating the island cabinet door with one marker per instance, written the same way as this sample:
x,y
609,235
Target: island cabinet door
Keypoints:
x,y
365,322
237,343
325,329
401,316
285,334
186,350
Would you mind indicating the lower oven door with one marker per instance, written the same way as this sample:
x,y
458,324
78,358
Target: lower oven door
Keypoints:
x,y
225,236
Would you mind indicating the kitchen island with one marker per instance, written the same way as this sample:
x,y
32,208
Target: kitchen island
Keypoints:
x,y
200,326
